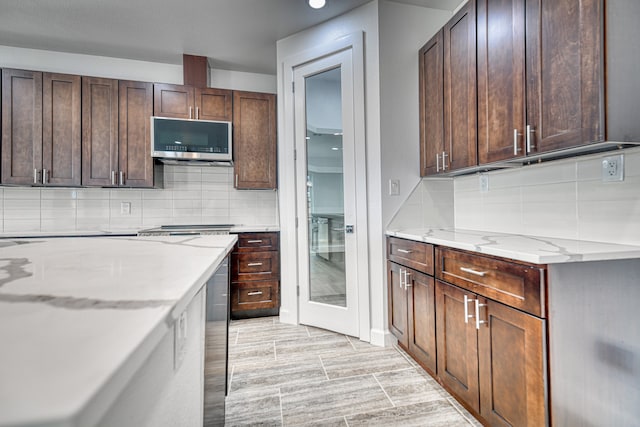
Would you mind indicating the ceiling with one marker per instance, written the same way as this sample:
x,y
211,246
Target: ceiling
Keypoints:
x,y
238,35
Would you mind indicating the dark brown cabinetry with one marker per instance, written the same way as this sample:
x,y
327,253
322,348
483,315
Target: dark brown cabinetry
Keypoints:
x,y
115,133
411,296
135,164
188,102
99,131
540,79
448,103
255,275
479,327
254,140
491,355
41,128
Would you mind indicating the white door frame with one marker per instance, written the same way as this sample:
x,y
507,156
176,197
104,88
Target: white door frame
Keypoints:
x,y
287,182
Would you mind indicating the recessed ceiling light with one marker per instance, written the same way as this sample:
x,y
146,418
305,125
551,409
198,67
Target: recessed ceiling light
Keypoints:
x,y
316,4
335,148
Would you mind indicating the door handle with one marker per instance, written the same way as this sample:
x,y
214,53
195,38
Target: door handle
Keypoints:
x,y
348,229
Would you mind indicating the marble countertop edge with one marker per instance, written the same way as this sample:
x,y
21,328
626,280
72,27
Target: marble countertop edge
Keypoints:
x,y
530,249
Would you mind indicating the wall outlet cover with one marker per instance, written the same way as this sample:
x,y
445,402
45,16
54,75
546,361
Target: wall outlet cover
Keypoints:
x,y
125,208
613,168
484,183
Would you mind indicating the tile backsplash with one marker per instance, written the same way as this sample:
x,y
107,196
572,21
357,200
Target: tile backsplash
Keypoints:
x,y
564,199
191,195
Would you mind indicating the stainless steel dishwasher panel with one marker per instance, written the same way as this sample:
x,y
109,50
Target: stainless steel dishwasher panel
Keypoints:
x,y
216,346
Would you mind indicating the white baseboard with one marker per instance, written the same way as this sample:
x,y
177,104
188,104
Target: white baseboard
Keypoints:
x,y
288,317
382,338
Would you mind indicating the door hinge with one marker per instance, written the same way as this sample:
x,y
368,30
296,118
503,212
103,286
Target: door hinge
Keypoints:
x,y
293,87
298,290
296,222
295,154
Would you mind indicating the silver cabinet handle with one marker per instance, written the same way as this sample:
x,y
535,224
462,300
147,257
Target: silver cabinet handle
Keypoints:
x,y
254,241
190,112
472,271
529,145
515,142
45,176
437,162
467,316
401,274
254,264
478,321
35,176
113,177
444,162
197,113
404,251
406,280
236,180
254,293
121,178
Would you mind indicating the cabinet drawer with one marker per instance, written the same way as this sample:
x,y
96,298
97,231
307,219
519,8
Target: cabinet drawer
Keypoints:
x,y
254,295
250,242
416,255
517,285
255,266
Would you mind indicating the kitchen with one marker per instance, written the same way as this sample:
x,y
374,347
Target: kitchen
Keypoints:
x,y
394,32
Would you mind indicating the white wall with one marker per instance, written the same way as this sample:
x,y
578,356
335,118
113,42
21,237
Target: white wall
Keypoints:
x,y
404,29
363,19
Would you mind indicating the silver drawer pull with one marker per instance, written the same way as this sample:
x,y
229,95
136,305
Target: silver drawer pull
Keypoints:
x,y
254,264
254,293
472,271
254,241
404,251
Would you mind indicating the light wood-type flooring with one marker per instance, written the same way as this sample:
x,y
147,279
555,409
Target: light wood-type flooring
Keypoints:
x,y
284,375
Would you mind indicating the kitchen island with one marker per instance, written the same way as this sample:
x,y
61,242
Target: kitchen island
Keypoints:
x,y
87,329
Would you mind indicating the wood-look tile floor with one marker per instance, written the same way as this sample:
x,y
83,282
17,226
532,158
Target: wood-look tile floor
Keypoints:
x,y
285,375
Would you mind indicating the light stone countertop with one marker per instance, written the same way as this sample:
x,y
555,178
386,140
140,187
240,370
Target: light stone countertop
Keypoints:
x,y
532,249
78,317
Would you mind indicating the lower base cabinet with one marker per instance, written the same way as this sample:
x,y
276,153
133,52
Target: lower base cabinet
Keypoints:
x,y
489,355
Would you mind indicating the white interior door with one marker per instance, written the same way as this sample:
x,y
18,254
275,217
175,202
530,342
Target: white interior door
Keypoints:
x,y
326,193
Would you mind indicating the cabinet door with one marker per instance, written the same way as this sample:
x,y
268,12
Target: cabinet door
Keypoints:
x,y
501,79
397,304
512,369
21,126
457,342
422,319
214,104
431,84
254,140
175,101
61,131
565,79
460,101
99,131
134,146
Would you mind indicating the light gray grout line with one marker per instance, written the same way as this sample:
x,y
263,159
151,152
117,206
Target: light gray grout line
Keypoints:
x,y
308,333
345,420
455,405
383,390
350,342
323,368
275,352
369,373
237,335
281,411
406,357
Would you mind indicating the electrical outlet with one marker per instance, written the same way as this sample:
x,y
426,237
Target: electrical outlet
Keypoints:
x,y
613,168
484,183
394,187
180,340
125,208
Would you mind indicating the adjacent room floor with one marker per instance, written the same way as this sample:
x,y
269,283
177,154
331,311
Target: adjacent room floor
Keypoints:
x,y
284,375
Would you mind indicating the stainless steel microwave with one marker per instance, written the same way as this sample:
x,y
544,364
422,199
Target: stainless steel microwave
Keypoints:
x,y
181,139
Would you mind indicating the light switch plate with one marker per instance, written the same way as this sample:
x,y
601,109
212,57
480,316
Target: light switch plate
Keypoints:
x,y
125,208
394,187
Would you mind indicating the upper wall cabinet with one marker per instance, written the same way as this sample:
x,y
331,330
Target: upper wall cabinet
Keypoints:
x,y
188,102
254,140
40,128
540,76
448,114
